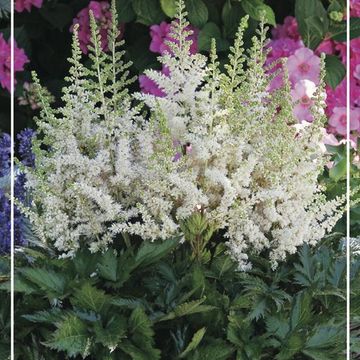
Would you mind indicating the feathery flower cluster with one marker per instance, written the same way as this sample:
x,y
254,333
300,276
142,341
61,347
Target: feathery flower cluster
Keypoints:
x,y
29,97
160,39
21,5
102,15
20,59
217,146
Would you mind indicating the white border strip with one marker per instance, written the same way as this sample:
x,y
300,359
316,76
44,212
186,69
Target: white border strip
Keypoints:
x,y
12,265
348,250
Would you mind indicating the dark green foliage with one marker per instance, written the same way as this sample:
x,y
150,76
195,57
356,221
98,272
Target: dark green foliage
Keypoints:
x,y
154,302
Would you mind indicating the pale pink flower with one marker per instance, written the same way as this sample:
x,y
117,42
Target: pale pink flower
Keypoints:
x,y
21,5
303,65
302,95
338,120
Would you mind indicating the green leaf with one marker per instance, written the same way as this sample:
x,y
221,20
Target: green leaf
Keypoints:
x,y
47,280
335,71
256,9
188,308
108,266
140,323
58,15
90,298
216,350
354,28
169,7
151,252
125,11
312,21
301,310
45,316
197,12
70,337
338,171
195,341
148,11
112,333
207,33
231,16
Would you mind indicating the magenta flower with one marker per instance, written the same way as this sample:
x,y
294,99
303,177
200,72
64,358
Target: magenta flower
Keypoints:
x,y
338,120
288,30
281,48
102,15
20,59
21,5
355,8
160,34
303,65
302,95
149,86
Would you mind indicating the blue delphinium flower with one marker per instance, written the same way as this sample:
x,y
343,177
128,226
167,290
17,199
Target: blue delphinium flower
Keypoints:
x,y
28,159
5,149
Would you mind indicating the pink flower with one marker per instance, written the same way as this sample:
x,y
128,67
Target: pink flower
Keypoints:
x,y
303,65
102,15
21,5
355,8
288,30
20,59
149,86
327,46
160,34
302,94
281,48
338,120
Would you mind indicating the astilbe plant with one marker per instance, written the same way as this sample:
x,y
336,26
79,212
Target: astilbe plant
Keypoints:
x,y
218,153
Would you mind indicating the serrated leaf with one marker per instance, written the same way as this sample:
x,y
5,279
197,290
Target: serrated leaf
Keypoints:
x,y
188,308
301,310
139,322
108,266
195,341
47,280
197,12
70,337
112,333
151,252
90,298
45,316
335,71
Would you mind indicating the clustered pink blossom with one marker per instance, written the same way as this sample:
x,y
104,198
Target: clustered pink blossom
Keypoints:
x,y
20,59
303,66
160,36
21,5
102,15
354,8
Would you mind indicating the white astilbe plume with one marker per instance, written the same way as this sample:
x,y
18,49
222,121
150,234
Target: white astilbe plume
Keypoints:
x,y
219,144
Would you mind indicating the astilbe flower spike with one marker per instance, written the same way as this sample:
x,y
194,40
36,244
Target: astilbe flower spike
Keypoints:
x,y
219,152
